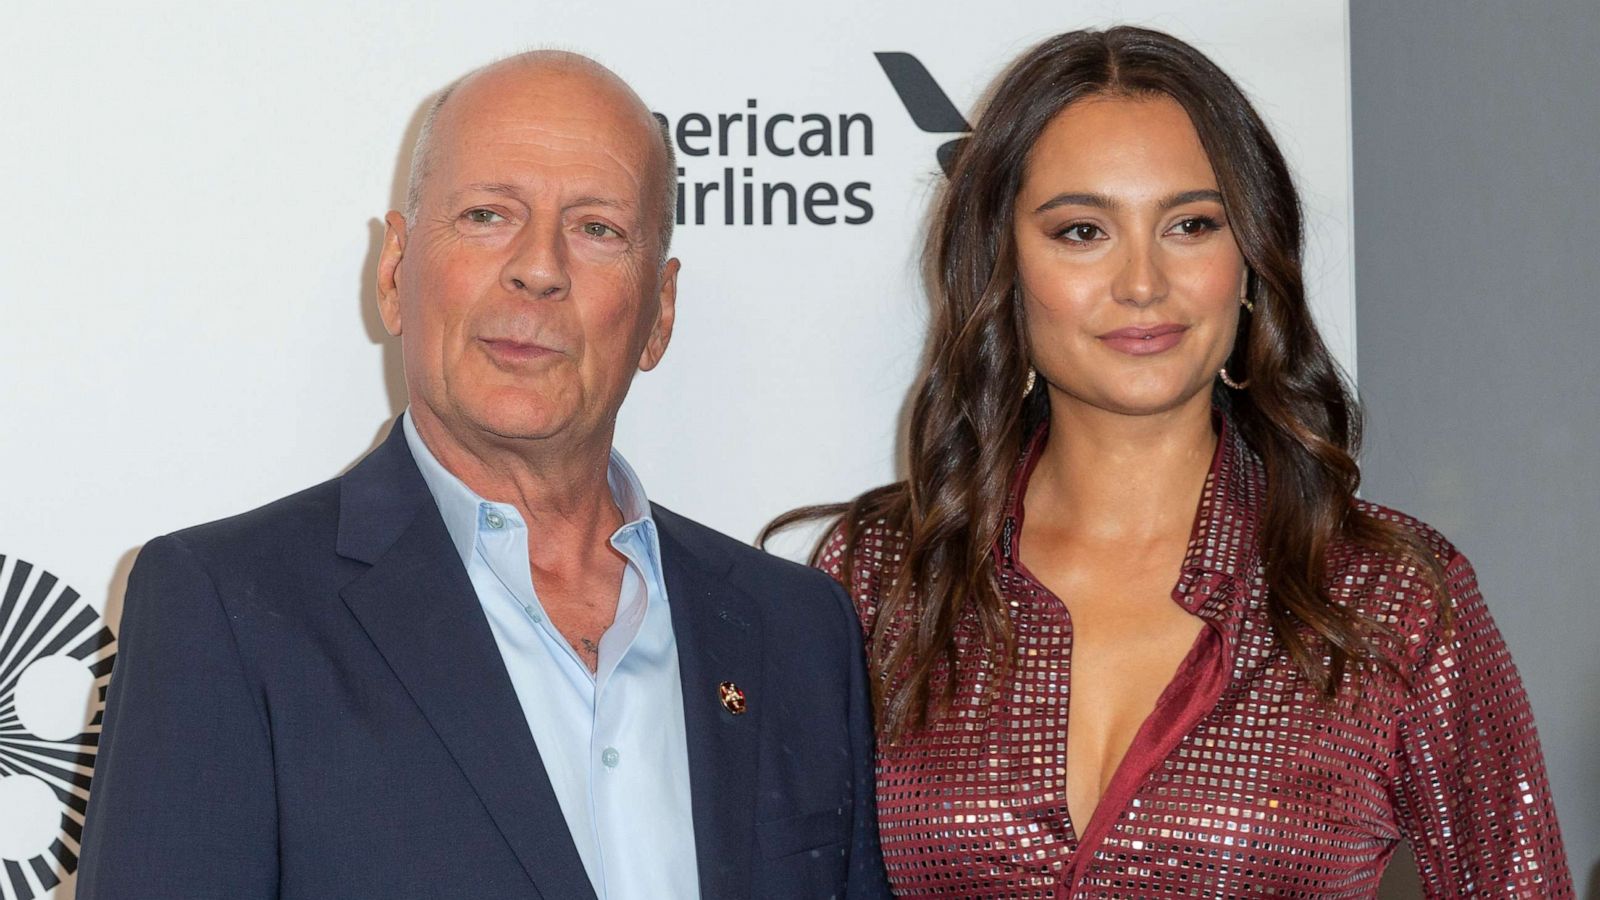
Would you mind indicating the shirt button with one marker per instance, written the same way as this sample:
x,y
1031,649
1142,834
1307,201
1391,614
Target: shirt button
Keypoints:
x,y
610,757
495,520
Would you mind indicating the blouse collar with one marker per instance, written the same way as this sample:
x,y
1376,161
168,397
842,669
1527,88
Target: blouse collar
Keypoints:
x,y
1223,544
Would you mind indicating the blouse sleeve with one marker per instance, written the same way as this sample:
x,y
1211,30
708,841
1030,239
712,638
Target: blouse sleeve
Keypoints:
x,y
1471,792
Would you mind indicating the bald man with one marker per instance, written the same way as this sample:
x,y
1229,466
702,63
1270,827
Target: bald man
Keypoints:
x,y
482,664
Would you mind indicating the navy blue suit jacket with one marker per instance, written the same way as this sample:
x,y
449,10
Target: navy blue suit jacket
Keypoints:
x,y
308,703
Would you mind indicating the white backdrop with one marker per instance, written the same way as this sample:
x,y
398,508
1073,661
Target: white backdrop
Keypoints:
x,y
190,225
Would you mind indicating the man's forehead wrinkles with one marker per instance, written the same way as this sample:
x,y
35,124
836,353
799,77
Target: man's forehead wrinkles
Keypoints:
x,y
565,138
583,176
527,140
521,166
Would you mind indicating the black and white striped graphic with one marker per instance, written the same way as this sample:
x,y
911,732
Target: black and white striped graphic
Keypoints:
x,y
55,662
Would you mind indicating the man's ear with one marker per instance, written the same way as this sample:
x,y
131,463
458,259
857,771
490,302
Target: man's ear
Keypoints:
x,y
394,247
666,310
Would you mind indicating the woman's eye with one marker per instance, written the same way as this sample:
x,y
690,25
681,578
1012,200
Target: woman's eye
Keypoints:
x,y
1080,233
1196,225
480,216
598,229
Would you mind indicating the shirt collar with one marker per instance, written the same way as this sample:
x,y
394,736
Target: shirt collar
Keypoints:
x,y
460,506
1223,543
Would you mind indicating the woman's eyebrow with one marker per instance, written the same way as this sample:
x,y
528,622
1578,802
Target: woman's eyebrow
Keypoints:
x,y
1098,201
1195,196
1111,204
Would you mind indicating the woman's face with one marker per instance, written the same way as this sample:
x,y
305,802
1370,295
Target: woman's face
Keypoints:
x,y
1130,275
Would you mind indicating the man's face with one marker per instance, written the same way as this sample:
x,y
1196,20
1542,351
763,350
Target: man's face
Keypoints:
x,y
528,289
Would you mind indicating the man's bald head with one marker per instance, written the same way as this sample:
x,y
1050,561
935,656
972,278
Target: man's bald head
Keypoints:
x,y
663,187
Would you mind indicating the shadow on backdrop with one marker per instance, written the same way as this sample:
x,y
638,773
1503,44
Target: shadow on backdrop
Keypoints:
x,y
394,376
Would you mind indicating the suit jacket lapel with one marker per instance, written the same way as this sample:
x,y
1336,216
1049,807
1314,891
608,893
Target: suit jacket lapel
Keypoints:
x,y
420,610
718,632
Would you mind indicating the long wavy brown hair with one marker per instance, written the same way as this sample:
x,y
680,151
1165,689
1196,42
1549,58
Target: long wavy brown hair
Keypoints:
x,y
969,418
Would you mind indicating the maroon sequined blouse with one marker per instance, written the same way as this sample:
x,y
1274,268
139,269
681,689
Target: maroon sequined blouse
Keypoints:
x,y
1243,782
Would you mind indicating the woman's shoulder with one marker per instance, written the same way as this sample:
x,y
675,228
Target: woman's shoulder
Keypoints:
x,y
1423,535
1417,584
865,557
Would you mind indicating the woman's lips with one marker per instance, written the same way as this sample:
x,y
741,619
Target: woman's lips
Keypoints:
x,y
1144,341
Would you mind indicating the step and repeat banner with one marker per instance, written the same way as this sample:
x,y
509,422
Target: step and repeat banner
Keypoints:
x,y
193,197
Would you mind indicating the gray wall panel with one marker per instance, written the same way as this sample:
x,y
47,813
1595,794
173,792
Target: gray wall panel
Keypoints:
x,y
1477,246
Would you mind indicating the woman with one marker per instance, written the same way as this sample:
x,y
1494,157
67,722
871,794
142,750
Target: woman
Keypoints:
x,y
1132,633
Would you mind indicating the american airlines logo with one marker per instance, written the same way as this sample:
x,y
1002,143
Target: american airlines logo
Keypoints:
x,y
744,145
929,106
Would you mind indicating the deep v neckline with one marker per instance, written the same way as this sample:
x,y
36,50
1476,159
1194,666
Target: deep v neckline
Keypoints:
x,y
1130,756
1077,826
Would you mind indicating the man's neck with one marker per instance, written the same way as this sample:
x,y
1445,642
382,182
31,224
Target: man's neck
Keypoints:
x,y
562,492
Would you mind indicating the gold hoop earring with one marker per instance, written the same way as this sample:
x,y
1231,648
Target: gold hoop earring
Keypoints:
x,y
1027,386
1236,385
1244,300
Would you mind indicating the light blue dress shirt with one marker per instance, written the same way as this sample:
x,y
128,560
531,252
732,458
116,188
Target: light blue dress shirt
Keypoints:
x,y
612,741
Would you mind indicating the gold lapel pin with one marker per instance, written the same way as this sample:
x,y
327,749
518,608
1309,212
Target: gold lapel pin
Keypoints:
x,y
732,698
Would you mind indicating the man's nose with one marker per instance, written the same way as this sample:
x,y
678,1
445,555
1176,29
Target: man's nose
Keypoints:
x,y
537,266
1141,280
